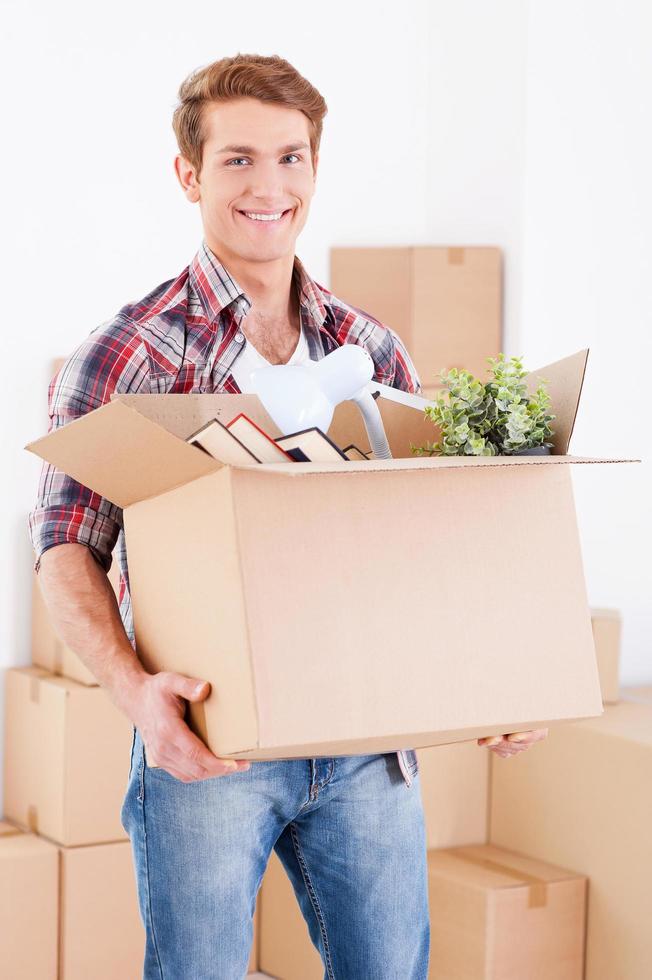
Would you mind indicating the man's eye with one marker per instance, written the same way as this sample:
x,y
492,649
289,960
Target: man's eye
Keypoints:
x,y
244,158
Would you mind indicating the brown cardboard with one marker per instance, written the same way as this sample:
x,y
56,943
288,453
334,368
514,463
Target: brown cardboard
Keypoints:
x,y
101,934
607,628
286,949
29,894
582,798
278,580
641,693
496,914
454,783
445,303
67,758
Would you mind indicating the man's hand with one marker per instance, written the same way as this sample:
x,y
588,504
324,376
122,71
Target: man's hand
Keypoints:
x,y
506,745
158,713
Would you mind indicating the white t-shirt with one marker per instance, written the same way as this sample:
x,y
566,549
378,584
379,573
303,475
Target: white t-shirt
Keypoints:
x,y
249,359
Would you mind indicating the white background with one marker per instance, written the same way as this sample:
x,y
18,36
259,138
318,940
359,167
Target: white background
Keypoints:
x,y
502,122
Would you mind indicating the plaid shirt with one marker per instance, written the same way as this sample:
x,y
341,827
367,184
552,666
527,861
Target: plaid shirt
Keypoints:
x,y
183,336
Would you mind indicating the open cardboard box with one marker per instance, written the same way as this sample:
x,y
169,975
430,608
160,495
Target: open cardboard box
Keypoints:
x,y
353,607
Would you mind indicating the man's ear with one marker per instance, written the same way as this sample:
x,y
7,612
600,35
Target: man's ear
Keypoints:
x,y
186,176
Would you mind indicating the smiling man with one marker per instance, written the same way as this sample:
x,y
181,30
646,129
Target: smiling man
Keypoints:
x,y
348,829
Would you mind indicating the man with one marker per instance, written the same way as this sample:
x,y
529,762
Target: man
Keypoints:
x,y
349,829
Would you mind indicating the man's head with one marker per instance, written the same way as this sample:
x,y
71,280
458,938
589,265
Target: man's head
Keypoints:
x,y
248,130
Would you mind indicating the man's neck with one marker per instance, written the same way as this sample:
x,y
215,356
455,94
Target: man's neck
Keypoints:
x,y
269,286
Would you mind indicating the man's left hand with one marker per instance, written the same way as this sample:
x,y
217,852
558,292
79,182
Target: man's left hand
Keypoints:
x,y
506,745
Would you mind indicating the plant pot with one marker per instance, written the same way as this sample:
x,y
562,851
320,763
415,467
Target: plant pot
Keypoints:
x,y
533,451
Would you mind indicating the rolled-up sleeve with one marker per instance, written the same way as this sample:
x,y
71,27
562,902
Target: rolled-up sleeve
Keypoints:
x,y
405,373
66,511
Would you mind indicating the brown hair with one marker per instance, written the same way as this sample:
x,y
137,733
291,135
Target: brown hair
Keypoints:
x,y
270,79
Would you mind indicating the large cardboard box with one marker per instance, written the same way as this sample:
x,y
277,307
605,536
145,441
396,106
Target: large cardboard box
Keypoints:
x,y
454,781
607,629
67,751
583,798
445,303
101,933
268,580
641,693
29,904
496,915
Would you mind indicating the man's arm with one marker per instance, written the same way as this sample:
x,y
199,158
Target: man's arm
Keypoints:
x,y
73,532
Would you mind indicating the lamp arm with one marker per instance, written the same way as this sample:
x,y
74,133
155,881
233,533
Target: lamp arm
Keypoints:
x,y
373,423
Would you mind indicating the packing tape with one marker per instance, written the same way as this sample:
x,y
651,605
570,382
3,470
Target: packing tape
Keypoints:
x,y
537,887
455,256
32,818
10,831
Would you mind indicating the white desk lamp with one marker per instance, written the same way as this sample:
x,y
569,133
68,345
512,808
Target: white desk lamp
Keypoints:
x,y
300,396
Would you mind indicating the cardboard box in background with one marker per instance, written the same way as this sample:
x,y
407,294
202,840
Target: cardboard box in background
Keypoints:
x,y
224,609
496,914
582,798
640,693
454,782
101,934
29,905
607,631
67,753
444,303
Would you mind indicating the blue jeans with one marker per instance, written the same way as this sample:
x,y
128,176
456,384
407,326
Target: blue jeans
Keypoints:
x,y
349,831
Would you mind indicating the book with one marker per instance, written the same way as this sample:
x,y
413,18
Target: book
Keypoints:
x,y
311,446
215,439
352,452
257,441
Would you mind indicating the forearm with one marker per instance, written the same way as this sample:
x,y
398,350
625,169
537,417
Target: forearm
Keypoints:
x,y
84,612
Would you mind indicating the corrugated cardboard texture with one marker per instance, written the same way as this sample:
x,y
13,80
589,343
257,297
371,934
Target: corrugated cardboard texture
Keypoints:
x,y
581,798
29,895
67,758
495,914
607,628
102,935
445,303
286,949
455,791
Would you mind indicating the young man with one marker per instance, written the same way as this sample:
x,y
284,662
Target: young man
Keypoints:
x,y
349,829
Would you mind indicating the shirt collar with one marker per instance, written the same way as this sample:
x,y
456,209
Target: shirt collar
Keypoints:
x,y
217,289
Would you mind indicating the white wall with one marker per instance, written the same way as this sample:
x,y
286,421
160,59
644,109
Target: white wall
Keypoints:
x,y
587,277
429,138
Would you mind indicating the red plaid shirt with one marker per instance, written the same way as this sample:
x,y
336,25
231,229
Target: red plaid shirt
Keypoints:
x,y
183,336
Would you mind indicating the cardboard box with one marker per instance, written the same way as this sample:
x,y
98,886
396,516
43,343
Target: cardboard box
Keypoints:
x,y
29,897
495,914
582,798
101,934
286,949
454,781
282,569
640,693
445,303
607,629
66,759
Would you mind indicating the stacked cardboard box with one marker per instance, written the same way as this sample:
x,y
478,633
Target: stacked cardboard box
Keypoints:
x,y
582,798
445,303
607,629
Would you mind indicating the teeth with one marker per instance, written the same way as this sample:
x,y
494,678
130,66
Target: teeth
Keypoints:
x,y
264,217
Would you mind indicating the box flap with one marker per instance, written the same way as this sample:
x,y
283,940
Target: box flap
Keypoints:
x,y
565,379
183,414
119,453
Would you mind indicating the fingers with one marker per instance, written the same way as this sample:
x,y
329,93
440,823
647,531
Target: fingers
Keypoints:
x,y
186,757
191,688
506,745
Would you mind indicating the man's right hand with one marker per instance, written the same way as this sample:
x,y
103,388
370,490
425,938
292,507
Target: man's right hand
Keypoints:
x,y
158,713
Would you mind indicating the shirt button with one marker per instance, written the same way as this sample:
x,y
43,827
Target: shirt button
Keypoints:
x,y
239,336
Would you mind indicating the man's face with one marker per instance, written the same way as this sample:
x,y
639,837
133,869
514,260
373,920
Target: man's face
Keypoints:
x,y
256,158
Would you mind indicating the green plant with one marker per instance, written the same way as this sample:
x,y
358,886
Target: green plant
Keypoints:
x,y
494,418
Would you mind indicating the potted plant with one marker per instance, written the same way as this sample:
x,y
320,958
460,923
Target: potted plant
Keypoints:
x,y
495,418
